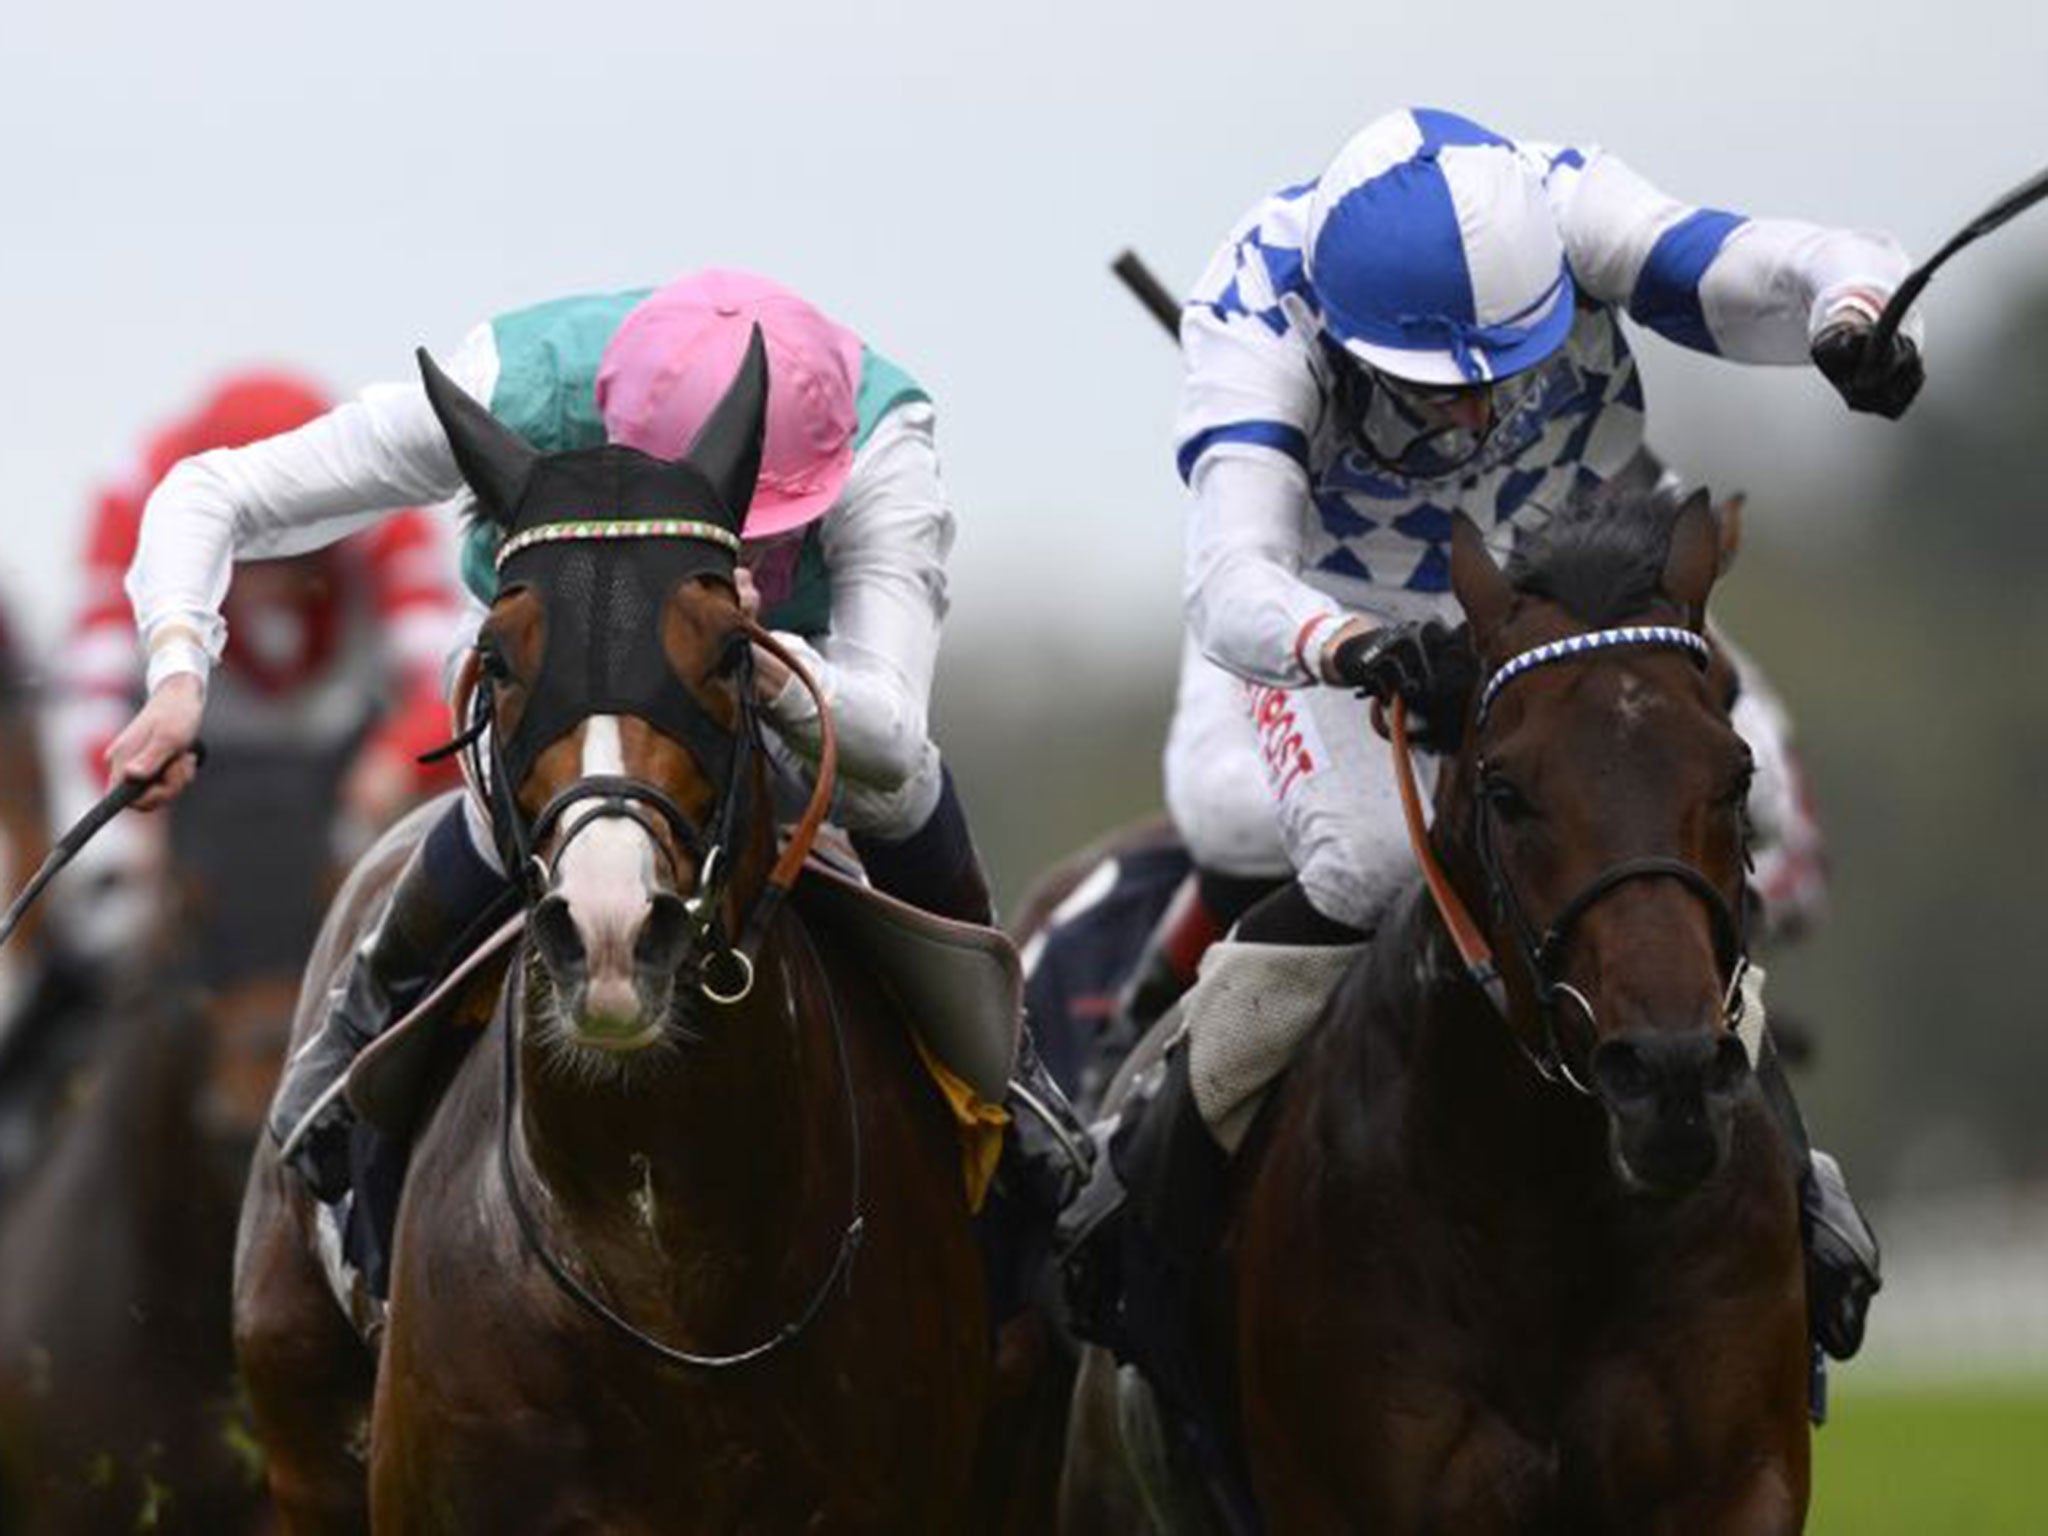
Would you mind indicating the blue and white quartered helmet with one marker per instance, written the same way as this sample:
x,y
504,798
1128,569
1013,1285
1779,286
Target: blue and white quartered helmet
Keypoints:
x,y
1434,255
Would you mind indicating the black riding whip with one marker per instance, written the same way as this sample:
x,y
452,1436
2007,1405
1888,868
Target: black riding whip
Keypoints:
x,y
2017,201
115,801
1150,292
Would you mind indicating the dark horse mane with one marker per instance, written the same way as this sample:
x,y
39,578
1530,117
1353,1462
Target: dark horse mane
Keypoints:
x,y
1601,556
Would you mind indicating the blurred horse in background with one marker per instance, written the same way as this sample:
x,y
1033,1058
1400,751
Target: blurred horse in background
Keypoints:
x,y
119,1408
24,832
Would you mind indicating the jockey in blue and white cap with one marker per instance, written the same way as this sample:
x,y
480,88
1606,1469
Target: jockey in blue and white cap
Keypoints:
x,y
1431,326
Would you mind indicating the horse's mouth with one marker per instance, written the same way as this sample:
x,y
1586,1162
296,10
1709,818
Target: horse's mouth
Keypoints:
x,y
1657,1160
617,1036
616,1019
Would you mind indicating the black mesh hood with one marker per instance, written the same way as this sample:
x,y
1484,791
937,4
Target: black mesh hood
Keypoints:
x,y
602,601
615,483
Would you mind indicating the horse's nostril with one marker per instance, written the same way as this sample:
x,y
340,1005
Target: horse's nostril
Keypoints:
x,y
1619,1070
1730,1066
664,932
554,931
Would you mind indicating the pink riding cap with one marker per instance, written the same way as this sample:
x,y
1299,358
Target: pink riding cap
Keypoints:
x,y
674,355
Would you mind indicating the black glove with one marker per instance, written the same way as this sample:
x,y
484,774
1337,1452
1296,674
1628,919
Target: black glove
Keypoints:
x,y
1428,666
1883,384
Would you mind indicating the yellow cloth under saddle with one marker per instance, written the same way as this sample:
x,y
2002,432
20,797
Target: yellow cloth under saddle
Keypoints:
x,y
979,1124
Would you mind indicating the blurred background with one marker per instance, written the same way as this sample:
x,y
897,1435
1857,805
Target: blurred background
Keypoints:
x,y
193,188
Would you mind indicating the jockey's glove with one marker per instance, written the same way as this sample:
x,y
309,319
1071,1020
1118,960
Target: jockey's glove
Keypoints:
x,y
1884,384
1427,665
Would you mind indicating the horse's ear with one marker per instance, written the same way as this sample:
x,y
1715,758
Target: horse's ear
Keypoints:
x,y
494,459
1728,514
727,448
1482,591
1695,557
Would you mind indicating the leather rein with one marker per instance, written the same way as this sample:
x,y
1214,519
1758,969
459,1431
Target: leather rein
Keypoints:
x,y
1542,952
712,846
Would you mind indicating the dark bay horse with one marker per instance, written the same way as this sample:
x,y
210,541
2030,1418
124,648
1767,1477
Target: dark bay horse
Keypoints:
x,y
119,1407
1530,1265
685,1246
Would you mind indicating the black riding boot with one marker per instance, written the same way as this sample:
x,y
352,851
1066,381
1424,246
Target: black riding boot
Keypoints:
x,y
439,898
1842,1261
1135,1242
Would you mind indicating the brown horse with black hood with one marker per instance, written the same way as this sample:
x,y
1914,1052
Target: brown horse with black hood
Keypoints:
x,y
1515,1247
685,1246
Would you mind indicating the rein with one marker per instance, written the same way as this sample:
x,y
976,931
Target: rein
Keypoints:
x,y
1543,952
624,797
567,1283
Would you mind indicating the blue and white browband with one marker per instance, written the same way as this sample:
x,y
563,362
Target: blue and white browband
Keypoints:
x,y
1668,635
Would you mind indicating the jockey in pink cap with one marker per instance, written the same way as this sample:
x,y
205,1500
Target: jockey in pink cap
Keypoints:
x,y
846,545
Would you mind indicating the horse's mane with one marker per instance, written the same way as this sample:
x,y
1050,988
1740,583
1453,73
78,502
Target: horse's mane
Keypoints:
x,y
1601,556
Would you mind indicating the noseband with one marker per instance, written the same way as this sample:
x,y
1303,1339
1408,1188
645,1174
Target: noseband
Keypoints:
x,y
1543,951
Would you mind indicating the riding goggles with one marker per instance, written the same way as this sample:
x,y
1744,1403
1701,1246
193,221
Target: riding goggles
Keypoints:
x,y
1427,432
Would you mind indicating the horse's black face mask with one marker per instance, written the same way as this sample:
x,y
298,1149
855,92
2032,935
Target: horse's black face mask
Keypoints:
x,y
601,646
602,537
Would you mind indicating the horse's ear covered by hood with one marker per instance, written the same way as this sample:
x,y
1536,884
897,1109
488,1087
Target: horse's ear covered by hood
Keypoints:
x,y
496,461
727,447
1695,558
1481,588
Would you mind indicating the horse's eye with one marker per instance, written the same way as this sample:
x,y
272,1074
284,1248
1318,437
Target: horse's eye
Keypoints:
x,y
1506,797
491,661
1736,795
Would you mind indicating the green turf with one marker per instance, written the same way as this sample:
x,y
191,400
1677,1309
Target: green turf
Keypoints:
x,y
1933,1461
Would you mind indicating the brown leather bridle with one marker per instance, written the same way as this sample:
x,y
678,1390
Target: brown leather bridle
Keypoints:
x,y
1542,953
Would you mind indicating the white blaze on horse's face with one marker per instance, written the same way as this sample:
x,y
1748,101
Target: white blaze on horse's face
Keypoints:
x,y
607,877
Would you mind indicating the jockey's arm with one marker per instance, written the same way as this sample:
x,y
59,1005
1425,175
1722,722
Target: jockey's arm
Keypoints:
x,y
1249,406
284,495
1752,290
886,544
1247,606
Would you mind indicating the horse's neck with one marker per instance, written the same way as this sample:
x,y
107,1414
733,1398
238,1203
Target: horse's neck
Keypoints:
x,y
1429,1049
718,1145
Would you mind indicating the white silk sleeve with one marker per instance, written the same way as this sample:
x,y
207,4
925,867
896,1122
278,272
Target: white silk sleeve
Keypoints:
x,y
1753,290
1776,282
885,542
301,490
1247,606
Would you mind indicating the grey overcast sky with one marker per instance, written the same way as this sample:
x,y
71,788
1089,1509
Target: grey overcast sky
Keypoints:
x,y
189,186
